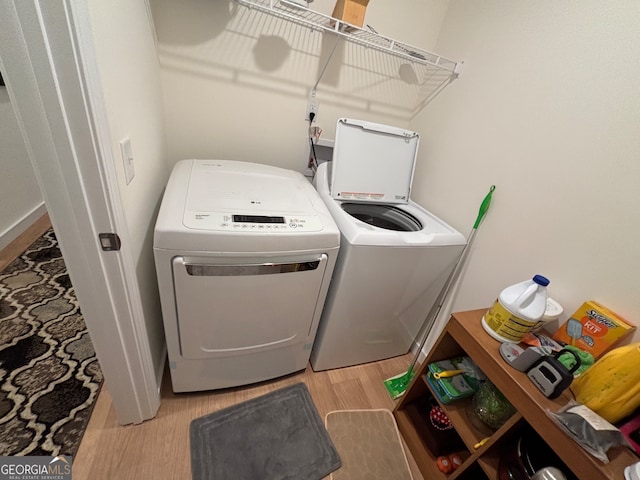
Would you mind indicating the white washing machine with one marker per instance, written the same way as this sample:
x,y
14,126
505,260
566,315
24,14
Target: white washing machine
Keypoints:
x,y
244,255
394,256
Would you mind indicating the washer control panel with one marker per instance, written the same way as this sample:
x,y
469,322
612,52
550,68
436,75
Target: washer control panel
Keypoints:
x,y
251,223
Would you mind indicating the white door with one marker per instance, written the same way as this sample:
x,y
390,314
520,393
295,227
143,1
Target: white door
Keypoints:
x,y
49,66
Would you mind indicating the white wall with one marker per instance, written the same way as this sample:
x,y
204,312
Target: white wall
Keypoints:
x,y
21,202
130,76
548,110
236,82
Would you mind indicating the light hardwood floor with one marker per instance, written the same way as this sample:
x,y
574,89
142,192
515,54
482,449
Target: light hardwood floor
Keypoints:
x,y
159,448
22,242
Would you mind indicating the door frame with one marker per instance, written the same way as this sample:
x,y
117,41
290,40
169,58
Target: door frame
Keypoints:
x,y
49,65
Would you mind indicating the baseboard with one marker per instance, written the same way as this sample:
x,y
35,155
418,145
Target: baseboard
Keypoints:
x,y
19,227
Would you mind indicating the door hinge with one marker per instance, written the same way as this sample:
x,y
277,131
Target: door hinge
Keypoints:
x,y
109,241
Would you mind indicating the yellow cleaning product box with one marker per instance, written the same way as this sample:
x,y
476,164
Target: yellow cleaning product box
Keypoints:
x,y
593,328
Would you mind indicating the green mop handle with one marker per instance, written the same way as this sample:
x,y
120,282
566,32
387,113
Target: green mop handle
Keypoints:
x,y
484,206
455,272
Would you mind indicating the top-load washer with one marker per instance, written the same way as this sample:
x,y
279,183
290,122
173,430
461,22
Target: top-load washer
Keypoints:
x,y
394,255
244,255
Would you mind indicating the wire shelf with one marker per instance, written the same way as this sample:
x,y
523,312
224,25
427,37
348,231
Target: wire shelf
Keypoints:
x,y
318,21
409,81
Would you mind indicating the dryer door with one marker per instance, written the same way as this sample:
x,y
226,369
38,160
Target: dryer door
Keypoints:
x,y
227,309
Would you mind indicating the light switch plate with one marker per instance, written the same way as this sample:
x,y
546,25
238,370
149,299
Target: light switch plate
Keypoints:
x,y
127,159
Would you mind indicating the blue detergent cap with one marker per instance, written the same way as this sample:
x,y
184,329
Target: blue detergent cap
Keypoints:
x,y
541,280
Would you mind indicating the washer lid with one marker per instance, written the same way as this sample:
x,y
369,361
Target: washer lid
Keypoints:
x,y
372,163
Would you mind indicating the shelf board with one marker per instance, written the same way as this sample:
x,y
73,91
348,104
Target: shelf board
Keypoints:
x,y
424,459
457,413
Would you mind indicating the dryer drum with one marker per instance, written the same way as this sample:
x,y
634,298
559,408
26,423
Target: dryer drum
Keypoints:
x,y
383,216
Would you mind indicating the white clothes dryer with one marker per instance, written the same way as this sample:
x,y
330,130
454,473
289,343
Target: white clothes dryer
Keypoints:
x,y
394,256
244,255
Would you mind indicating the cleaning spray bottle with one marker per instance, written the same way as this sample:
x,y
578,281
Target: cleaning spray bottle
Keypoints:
x,y
518,310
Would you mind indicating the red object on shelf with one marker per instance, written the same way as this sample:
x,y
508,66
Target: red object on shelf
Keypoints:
x,y
631,430
439,419
455,461
444,465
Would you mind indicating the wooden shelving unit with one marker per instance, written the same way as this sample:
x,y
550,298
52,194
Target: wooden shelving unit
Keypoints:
x,y
464,335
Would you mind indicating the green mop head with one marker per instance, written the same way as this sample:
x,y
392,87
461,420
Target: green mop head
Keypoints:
x,y
396,386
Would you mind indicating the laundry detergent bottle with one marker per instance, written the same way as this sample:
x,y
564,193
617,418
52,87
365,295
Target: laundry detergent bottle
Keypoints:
x,y
518,310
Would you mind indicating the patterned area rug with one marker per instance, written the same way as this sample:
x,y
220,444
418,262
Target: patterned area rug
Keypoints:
x,y
49,373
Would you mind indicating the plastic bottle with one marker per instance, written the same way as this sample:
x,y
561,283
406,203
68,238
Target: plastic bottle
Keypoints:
x,y
518,310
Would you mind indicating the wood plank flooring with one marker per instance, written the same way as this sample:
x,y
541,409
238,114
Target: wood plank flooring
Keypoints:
x,y
159,448
22,242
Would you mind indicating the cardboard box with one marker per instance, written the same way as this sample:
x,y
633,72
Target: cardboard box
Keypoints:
x,y
350,11
594,329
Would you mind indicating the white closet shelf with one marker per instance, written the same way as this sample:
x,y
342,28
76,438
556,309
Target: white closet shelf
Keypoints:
x,y
315,20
